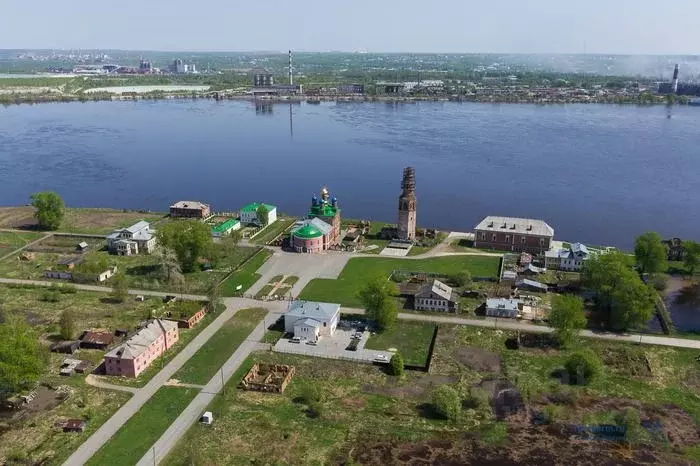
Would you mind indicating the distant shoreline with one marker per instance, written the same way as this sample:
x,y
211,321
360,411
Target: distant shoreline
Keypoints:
x,y
13,99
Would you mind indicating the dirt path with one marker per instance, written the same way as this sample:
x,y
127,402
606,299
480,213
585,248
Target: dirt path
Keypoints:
x,y
177,383
95,382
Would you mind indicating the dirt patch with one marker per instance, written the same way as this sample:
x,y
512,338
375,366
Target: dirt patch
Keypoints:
x,y
45,399
17,217
479,359
628,360
525,445
417,387
506,399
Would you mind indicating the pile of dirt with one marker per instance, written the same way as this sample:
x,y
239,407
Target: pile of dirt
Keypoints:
x,y
478,359
506,399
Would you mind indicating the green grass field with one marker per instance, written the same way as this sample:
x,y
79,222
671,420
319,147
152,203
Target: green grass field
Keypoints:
x,y
412,339
210,357
134,439
273,231
246,276
358,270
11,240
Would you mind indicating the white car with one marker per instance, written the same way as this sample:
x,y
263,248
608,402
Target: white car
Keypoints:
x,y
381,358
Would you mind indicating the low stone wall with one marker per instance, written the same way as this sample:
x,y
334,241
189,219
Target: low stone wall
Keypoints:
x,y
268,378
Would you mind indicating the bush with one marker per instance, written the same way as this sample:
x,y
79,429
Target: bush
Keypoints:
x,y
398,277
630,420
311,394
68,288
582,367
446,402
396,364
51,296
659,281
462,278
477,398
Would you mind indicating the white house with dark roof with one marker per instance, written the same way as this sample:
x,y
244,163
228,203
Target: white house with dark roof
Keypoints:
x,y
436,296
311,320
139,238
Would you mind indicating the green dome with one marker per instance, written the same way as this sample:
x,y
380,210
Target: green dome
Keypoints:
x,y
308,231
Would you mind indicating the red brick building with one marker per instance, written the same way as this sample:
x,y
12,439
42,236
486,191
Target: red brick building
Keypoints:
x,y
190,209
513,234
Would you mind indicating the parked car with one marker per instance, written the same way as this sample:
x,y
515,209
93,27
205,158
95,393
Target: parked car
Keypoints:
x,y
312,342
381,358
295,340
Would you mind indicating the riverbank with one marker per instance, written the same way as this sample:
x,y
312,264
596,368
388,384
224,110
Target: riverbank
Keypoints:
x,y
131,93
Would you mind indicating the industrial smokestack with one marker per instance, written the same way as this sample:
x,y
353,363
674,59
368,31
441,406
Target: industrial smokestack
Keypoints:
x,y
291,79
674,85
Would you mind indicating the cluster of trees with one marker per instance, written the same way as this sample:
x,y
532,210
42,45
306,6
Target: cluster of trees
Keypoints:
x,y
22,358
188,240
377,297
621,295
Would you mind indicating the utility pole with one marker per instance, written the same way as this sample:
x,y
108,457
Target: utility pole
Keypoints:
x,y
154,456
223,387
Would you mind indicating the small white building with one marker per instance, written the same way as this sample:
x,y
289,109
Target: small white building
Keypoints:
x,y
225,228
502,307
311,320
249,213
138,238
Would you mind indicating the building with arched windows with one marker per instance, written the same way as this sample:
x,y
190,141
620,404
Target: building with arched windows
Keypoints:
x,y
321,229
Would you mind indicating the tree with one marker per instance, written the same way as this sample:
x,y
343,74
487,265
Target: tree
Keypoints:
x,y
378,301
214,298
651,253
567,317
462,278
50,209
22,357
582,367
621,295
692,256
120,288
67,325
446,402
170,267
262,213
396,364
188,239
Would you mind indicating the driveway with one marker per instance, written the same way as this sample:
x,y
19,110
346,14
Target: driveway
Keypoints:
x,y
305,266
333,347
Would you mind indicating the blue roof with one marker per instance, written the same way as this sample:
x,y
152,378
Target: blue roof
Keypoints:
x,y
502,303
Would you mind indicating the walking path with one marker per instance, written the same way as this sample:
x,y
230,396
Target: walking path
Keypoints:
x,y
509,324
18,250
197,407
113,424
95,382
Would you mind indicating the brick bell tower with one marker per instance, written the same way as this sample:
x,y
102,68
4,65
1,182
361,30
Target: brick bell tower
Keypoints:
x,y
407,206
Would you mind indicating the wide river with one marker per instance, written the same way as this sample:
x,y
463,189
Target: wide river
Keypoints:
x,y
600,174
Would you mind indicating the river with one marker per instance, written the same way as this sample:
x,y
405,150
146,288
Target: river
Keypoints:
x,y
600,174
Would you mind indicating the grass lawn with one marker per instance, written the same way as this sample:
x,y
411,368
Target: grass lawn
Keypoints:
x,y
145,271
11,240
428,244
210,357
412,339
273,231
361,405
291,280
134,439
356,272
246,276
264,291
89,309
103,221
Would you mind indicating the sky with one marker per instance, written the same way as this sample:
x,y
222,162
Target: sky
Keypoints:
x,y
449,26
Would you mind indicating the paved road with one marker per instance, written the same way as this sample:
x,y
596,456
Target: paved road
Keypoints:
x,y
102,289
109,428
196,408
509,324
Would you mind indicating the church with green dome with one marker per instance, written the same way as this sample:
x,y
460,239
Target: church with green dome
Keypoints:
x,y
320,231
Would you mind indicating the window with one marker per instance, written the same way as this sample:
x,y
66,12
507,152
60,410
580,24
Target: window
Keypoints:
x,y
493,237
324,324
507,238
483,236
523,239
541,241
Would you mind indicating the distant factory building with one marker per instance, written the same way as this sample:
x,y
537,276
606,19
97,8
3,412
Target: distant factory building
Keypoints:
x,y
178,66
351,89
262,78
145,66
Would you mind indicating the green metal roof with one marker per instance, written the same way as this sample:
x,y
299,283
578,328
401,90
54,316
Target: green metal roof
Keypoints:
x,y
307,231
225,226
323,211
254,207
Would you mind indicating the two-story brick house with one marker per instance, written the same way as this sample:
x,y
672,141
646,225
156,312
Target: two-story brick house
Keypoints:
x,y
513,234
135,355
